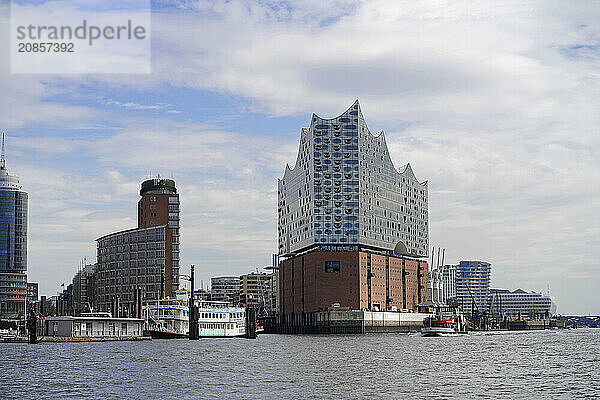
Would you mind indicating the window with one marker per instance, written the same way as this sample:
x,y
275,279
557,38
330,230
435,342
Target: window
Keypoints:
x,y
332,266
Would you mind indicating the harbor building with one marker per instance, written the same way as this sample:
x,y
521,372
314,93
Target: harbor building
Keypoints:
x,y
253,287
353,230
146,257
519,302
473,285
159,205
90,326
448,282
13,244
127,260
272,290
83,284
258,289
32,292
225,288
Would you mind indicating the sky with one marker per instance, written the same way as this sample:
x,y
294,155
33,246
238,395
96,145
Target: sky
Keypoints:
x,y
495,104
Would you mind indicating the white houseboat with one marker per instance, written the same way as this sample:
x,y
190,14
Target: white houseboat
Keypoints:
x,y
93,326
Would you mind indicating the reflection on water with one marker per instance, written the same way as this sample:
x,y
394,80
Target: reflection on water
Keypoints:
x,y
546,364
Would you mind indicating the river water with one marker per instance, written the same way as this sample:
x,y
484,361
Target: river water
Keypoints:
x,y
542,364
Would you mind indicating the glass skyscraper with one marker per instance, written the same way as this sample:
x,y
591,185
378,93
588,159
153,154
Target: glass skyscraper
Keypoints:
x,y
13,244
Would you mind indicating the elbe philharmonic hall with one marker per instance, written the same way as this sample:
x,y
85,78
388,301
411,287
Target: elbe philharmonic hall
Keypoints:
x,y
353,229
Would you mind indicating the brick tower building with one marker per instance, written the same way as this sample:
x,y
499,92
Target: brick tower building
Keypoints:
x,y
159,205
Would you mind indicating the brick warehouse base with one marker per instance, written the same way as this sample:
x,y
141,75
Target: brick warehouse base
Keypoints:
x,y
356,280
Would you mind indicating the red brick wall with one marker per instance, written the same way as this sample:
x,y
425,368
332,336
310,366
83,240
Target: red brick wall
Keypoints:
x,y
396,282
411,280
378,281
305,286
364,288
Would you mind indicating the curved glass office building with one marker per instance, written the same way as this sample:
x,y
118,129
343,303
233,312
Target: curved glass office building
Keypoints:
x,y
13,244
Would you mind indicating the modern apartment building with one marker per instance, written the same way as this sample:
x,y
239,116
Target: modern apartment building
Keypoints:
x,y
83,285
32,292
225,288
255,289
473,285
146,257
127,260
519,302
448,282
352,228
13,243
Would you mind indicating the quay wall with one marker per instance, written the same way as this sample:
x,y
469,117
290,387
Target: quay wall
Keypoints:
x,y
345,322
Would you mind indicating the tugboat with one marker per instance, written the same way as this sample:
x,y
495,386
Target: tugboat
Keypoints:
x,y
443,326
444,322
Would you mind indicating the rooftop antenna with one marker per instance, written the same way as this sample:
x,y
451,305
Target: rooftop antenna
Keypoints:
x,y
3,161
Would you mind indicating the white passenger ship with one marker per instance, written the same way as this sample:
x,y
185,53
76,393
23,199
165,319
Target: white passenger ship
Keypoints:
x,y
167,319
219,319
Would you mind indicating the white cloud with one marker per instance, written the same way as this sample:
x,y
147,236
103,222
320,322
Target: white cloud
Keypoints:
x,y
496,104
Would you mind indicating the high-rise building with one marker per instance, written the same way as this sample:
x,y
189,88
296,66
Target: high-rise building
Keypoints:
x,y
13,243
448,282
159,205
352,228
83,285
225,288
144,258
473,285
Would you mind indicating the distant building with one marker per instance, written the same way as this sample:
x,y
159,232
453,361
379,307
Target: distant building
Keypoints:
x,y
352,228
13,243
473,285
32,292
202,294
225,288
435,292
519,302
253,289
272,291
448,282
83,285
